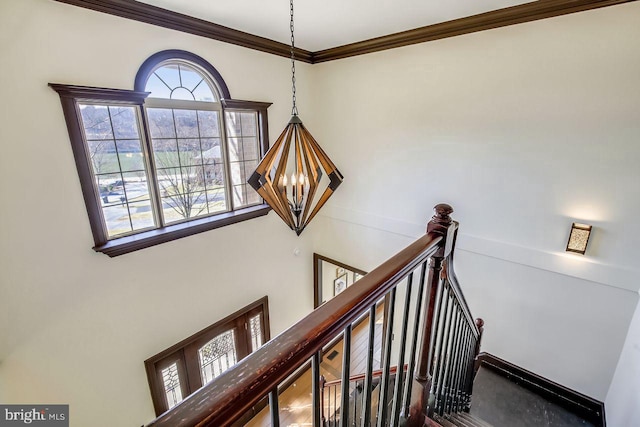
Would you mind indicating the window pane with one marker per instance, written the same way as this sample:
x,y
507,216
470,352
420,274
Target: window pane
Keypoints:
x,y
189,77
130,155
209,123
169,75
249,124
157,88
166,153
217,356
125,122
186,122
161,123
180,81
189,167
171,383
103,156
117,219
216,200
118,166
204,93
250,149
235,149
96,122
190,151
255,327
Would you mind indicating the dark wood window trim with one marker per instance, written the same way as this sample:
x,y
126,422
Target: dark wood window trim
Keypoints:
x,y
70,95
527,12
186,352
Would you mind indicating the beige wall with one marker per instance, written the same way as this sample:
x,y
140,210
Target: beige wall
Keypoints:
x,y
77,325
523,130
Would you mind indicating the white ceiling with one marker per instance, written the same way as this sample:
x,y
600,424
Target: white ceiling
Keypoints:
x,y
322,24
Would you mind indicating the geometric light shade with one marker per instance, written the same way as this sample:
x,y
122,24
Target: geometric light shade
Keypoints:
x,y
578,238
290,174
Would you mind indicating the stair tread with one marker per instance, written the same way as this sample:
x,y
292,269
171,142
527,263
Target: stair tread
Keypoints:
x,y
471,420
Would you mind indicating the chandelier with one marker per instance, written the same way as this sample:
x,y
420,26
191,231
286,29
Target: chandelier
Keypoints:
x,y
293,170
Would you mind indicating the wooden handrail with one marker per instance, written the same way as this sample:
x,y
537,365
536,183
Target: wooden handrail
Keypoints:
x,y
229,396
450,276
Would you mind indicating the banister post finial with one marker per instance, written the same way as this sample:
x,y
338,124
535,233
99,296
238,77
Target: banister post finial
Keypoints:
x,y
441,219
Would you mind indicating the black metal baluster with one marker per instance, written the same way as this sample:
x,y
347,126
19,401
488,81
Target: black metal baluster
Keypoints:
x,y
437,376
458,362
397,394
443,349
457,355
462,366
445,352
315,389
414,343
368,381
273,406
383,403
451,357
346,368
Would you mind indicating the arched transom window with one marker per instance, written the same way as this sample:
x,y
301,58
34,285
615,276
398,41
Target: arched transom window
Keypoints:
x,y
176,150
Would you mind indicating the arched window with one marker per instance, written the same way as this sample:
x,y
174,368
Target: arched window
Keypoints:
x,y
168,159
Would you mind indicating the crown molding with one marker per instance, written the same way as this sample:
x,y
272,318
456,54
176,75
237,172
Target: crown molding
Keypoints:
x,y
527,12
154,15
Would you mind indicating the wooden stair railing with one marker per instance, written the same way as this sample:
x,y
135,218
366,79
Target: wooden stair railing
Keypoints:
x,y
439,342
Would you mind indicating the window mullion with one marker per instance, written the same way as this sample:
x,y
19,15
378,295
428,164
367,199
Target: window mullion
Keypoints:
x,y
152,173
226,162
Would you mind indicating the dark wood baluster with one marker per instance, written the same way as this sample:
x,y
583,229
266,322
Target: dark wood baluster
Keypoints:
x,y
414,340
316,385
368,381
397,395
346,373
275,410
383,404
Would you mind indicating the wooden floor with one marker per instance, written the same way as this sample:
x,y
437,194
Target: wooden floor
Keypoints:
x,y
295,401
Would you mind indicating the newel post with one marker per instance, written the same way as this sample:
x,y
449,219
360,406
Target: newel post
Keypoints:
x,y
442,224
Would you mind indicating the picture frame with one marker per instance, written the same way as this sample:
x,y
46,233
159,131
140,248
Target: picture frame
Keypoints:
x,y
340,284
339,272
357,276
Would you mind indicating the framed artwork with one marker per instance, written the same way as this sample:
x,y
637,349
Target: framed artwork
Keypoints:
x,y
357,276
340,284
339,272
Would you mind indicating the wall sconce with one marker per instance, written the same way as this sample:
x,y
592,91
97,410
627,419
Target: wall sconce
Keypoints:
x,y
578,238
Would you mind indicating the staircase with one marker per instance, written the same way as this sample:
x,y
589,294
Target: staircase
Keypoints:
x,y
428,357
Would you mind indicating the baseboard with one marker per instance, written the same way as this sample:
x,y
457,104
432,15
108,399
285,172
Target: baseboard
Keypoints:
x,y
587,408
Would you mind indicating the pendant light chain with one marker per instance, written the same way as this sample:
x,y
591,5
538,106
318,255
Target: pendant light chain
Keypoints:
x,y
294,109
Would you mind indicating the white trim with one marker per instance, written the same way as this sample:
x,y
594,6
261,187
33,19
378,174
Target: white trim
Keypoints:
x,y
557,262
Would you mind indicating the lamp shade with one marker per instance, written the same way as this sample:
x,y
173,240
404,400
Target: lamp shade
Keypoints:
x,y
290,176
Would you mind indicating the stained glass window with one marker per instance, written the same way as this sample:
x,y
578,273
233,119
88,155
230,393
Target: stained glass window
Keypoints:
x,y
171,383
217,356
255,328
